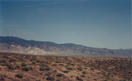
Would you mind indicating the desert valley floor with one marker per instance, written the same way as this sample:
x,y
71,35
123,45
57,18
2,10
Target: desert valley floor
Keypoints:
x,y
20,67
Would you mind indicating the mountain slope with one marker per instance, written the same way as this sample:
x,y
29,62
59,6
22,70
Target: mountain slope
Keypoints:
x,y
18,45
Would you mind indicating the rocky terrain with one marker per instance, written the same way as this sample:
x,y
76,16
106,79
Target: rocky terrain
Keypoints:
x,y
18,45
20,67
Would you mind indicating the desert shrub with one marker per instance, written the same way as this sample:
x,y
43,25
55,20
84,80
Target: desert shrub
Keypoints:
x,y
47,69
58,80
33,62
5,56
50,78
65,71
37,61
80,69
48,74
105,80
92,68
122,80
72,64
23,64
79,79
10,67
129,72
12,60
41,73
70,67
59,75
43,65
61,64
44,69
71,76
58,61
84,72
19,75
54,64
95,79
38,80
82,75
27,68
2,78
17,67
2,61
55,71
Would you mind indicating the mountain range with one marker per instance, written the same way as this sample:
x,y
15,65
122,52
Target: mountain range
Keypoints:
x,y
22,46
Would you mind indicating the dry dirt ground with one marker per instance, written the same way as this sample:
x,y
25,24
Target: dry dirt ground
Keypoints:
x,y
19,67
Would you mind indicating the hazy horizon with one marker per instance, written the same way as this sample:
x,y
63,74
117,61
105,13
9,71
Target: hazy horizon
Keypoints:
x,y
93,23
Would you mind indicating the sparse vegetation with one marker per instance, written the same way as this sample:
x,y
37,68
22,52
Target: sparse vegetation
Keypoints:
x,y
15,67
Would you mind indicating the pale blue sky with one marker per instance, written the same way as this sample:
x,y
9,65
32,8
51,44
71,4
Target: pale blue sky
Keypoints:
x,y
94,23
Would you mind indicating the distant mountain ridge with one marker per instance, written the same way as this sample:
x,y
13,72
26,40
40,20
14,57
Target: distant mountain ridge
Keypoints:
x,y
19,45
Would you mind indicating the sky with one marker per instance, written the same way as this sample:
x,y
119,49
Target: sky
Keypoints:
x,y
93,23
